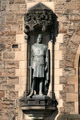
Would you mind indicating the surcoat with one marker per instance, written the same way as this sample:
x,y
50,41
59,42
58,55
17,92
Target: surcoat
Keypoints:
x,y
39,57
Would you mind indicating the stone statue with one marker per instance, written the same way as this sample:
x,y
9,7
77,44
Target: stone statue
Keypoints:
x,y
39,66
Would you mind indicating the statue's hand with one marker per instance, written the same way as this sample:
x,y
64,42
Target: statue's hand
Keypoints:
x,y
46,82
46,68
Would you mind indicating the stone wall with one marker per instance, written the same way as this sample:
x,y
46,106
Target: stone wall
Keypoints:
x,y
69,25
13,55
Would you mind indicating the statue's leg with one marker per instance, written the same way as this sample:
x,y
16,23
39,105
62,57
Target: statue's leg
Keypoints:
x,y
41,87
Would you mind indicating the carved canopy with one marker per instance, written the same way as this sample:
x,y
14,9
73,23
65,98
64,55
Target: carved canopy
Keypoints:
x,y
40,17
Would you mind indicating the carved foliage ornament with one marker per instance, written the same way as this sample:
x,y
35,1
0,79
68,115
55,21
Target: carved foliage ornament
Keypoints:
x,y
39,16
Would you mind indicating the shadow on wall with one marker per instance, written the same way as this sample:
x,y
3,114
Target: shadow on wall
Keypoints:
x,y
53,116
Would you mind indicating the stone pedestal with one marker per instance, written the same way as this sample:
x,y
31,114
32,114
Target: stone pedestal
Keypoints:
x,y
38,107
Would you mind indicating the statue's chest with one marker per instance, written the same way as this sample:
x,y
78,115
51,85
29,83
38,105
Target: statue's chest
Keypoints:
x,y
39,50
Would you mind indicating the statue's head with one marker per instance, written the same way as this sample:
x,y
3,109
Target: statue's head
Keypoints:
x,y
39,38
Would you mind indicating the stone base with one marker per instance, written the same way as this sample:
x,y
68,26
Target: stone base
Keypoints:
x,y
69,117
38,107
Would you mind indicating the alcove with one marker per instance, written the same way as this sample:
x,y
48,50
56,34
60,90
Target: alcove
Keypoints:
x,y
41,20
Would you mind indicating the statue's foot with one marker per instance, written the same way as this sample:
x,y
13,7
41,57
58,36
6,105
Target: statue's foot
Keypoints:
x,y
41,94
31,94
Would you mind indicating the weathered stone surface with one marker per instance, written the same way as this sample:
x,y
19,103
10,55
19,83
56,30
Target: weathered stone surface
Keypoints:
x,y
7,55
11,19
62,64
69,107
2,47
7,33
8,72
11,1
62,95
12,80
19,1
8,87
69,88
2,65
2,93
7,39
69,117
63,80
69,63
11,64
0,56
69,72
12,95
3,80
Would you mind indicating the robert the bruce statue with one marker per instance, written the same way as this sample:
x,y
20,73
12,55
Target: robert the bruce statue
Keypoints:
x,y
39,66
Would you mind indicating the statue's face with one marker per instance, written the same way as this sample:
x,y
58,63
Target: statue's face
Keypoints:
x,y
39,39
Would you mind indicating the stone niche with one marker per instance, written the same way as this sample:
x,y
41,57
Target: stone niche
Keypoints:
x,y
39,20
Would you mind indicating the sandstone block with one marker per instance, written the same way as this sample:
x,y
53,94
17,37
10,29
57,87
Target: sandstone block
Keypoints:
x,y
0,56
7,55
22,64
58,72
56,64
3,80
2,47
62,63
56,47
58,55
8,72
11,94
19,1
21,56
7,33
11,1
13,80
21,72
56,80
8,87
69,88
69,63
22,80
20,88
60,38
63,80
60,103
58,87
8,47
2,65
72,80
7,39
69,107
20,38
71,6
72,97
76,88
76,107
69,72
24,47
20,27
57,95
11,64
10,19
2,93
62,95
